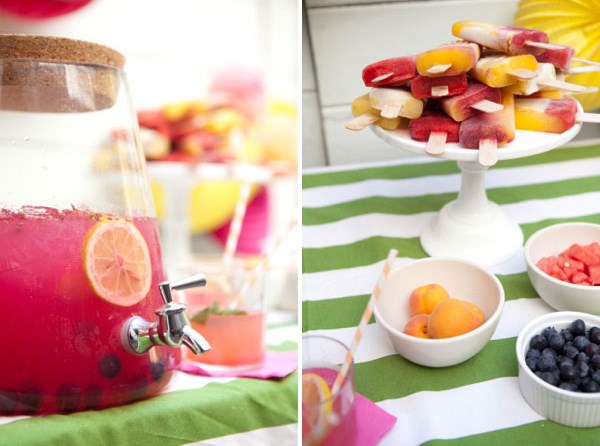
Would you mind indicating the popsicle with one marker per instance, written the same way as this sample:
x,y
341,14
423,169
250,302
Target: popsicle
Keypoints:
x,y
506,39
389,72
501,71
477,98
436,128
448,60
561,56
394,102
488,131
423,87
546,77
545,115
365,115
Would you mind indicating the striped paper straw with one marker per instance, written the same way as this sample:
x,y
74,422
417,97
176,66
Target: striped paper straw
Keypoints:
x,y
236,224
264,262
366,317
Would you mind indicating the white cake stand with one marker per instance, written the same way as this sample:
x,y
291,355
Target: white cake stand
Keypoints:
x,y
472,227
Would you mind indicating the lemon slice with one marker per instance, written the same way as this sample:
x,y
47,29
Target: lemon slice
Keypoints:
x,y
316,394
116,262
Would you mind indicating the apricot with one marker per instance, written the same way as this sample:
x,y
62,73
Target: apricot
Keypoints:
x,y
454,317
425,298
417,326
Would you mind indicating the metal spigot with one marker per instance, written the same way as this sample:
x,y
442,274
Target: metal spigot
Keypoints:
x,y
172,328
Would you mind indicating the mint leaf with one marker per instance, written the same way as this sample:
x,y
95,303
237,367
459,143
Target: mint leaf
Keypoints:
x,y
202,315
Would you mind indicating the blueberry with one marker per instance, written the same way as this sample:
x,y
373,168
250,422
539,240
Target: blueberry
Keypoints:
x,y
568,386
157,370
596,376
582,357
538,342
590,387
563,362
577,327
582,369
580,343
8,402
110,366
31,399
68,397
592,349
531,363
570,352
548,331
594,335
92,397
566,334
568,372
556,342
551,352
546,363
533,354
595,361
550,378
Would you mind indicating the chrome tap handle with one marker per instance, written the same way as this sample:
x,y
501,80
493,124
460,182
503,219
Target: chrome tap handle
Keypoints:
x,y
166,287
172,327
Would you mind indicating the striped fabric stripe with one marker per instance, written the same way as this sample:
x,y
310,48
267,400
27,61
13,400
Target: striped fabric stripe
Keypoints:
x,y
353,216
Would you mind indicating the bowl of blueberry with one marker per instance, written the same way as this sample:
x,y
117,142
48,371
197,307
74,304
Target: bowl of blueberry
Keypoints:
x,y
558,356
563,265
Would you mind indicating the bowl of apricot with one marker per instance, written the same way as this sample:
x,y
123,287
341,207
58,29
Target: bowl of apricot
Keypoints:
x,y
563,264
439,311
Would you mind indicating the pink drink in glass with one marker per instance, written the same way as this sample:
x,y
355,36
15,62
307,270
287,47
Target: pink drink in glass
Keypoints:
x,y
62,348
341,431
237,340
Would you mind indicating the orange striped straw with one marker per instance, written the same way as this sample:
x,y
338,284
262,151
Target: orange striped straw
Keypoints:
x,y
264,262
236,224
364,321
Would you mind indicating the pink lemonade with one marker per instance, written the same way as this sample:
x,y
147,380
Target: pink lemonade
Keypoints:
x,y
62,347
344,406
237,340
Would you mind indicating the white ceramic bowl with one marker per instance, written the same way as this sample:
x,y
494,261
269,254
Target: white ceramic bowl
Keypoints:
x,y
561,406
553,240
463,280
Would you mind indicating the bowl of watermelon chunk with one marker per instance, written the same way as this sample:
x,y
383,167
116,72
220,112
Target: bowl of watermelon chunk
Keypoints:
x,y
563,264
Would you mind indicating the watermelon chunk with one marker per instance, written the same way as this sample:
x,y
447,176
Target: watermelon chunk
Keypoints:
x,y
584,255
595,274
577,264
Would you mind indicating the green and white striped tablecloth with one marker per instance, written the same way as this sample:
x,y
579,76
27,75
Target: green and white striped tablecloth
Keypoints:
x,y
351,218
191,410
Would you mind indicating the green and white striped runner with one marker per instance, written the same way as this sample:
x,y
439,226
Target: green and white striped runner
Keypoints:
x,y
353,216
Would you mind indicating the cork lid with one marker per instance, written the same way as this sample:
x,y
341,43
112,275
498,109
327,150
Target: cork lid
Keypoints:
x,y
34,78
58,49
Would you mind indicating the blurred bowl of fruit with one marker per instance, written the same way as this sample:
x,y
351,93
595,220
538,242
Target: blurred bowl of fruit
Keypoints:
x,y
439,311
559,367
563,264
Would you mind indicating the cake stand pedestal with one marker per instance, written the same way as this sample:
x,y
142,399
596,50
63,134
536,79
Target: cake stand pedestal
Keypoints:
x,y
472,227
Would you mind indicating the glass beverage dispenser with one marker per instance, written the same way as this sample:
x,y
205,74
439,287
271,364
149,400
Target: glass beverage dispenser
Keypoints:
x,y
88,320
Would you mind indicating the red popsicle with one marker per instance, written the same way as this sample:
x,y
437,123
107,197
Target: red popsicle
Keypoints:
x,y
477,98
423,87
436,128
390,72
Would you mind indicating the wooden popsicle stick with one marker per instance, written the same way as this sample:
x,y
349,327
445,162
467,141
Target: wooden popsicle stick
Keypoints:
x,y
362,121
562,85
436,69
488,152
588,117
546,46
436,143
586,69
439,91
391,111
487,106
523,73
382,77
585,61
